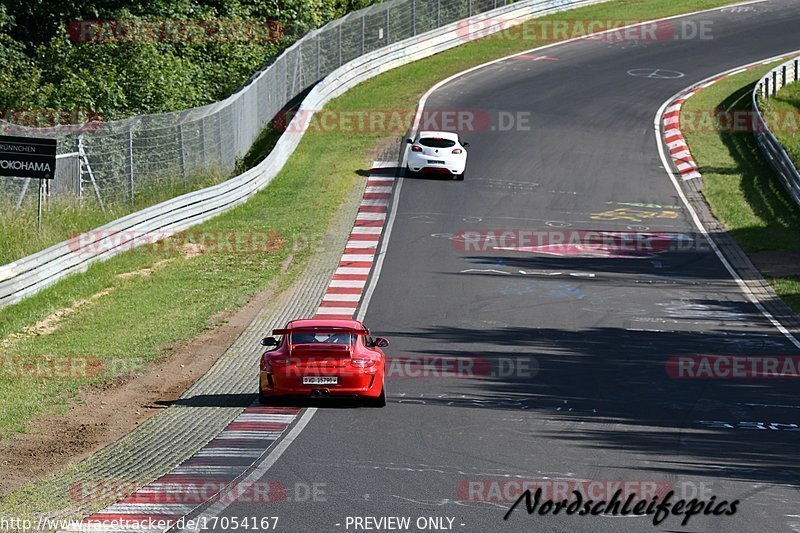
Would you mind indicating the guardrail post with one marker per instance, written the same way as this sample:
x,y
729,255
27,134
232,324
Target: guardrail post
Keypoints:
x,y
469,8
795,69
774,81
766,87
783,72
181,160
219,139
387,25
414,17
203,141
131,191
82,154
363,34
438,13
340,46
319,66
80,171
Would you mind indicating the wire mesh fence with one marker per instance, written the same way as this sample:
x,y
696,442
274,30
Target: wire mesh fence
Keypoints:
x,y
119,159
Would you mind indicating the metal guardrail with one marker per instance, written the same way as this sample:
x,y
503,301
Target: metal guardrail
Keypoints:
x,y
27,276
140,152
770,146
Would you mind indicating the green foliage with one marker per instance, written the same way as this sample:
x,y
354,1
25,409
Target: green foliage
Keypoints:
x,y
45,69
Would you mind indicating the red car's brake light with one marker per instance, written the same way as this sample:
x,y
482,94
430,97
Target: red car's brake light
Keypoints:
x,y
457,150
363,362
416,148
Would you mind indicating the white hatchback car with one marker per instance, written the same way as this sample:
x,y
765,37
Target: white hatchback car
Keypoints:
x,y
437,152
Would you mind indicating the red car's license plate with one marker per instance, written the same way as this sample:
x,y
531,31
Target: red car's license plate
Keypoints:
x,y
320,380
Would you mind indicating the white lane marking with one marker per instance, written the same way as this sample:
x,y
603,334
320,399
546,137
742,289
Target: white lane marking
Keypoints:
x,y
680,143
341,297
249,434
348,283
265,417
666,162
197,469
361,244
259,471
228,452
358,257
378,189
370,216
336,310
367,230
655,73
364,271
377,266
379,202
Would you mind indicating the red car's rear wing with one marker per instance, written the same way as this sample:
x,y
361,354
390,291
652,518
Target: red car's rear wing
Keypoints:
x,y
356,331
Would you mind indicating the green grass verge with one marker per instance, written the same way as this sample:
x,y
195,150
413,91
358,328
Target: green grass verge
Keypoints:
x,y
738,183
140,314
65,217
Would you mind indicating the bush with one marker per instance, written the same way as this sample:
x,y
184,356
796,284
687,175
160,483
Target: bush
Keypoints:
x,y
44,69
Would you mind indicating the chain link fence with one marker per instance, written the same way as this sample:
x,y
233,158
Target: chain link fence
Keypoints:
x,y
118,159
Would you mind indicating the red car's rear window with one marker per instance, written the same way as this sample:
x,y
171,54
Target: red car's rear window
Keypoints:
x,y
322,337
435,142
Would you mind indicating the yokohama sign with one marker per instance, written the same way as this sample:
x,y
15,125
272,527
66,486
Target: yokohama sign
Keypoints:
x,y
26,157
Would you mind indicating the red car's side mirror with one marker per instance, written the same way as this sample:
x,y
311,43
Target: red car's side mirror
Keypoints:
x,y
380,342
269,341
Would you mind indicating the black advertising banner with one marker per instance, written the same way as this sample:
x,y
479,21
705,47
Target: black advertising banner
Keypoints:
x,y
27,157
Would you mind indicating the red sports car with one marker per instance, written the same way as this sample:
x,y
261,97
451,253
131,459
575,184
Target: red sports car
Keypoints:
x,y
323,357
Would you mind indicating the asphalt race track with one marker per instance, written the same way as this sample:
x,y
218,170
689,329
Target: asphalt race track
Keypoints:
x,y
569,380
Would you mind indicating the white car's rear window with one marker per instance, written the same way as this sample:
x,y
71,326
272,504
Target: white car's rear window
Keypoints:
x,y
436,142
